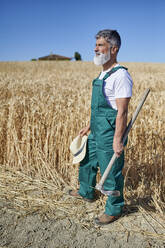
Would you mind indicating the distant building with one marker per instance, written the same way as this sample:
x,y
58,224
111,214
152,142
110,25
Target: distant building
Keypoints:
x,y
54,57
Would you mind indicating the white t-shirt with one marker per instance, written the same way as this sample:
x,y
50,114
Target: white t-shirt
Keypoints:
x,y
117,85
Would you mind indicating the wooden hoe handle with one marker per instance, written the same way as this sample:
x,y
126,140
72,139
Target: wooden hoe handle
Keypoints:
x,y
99,186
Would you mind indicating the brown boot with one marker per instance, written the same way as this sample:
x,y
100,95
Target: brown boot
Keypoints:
x,y
105,219
75,193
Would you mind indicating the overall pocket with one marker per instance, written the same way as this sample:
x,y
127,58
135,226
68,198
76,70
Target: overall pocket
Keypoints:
x,y
111,122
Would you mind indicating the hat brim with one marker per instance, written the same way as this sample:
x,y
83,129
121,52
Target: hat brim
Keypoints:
x,y
78,158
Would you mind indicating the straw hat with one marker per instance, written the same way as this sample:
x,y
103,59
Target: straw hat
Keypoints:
x,y
78,148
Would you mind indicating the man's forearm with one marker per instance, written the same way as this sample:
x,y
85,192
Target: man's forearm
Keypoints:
x,y
88,126
121,123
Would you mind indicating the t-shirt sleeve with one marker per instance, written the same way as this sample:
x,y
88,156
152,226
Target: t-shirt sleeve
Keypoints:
x,y
123,86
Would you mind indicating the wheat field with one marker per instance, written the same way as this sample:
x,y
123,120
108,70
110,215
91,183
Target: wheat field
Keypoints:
x,y
43,105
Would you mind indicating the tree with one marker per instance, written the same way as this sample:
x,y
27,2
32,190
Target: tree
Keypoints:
x,y
77,56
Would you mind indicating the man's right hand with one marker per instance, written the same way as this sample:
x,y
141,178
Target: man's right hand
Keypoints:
x,y
84,131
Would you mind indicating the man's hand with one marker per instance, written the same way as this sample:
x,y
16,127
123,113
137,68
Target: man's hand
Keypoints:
x,y
84,131
117,147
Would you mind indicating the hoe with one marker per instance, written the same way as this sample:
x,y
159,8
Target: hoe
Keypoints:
x,y
99,186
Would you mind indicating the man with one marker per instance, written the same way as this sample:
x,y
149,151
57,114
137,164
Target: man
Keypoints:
x,y
111,94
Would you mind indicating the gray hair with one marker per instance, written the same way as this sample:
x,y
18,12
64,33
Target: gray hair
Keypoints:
x,y
111,36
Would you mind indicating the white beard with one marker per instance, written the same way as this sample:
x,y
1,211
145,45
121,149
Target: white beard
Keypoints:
x,y
101,58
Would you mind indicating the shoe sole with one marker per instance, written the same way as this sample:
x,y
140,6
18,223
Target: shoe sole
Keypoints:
x,y
98,222
80,197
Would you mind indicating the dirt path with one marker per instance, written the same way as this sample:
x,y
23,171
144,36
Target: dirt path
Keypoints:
x,y
36,231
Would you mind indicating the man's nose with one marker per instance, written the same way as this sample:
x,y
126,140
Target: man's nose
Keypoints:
x,y
96,49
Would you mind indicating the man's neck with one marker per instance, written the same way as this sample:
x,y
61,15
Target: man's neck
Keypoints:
x,y
109,65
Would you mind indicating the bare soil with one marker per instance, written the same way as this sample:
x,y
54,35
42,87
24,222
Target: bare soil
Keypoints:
x,y
34,230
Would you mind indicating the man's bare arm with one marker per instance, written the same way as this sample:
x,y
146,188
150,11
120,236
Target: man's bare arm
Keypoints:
x,y
121,123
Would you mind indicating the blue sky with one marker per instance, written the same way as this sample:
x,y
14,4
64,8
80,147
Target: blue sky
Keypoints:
x,y
34,28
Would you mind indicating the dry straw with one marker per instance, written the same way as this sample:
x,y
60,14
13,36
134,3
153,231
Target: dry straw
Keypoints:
x,y
44,105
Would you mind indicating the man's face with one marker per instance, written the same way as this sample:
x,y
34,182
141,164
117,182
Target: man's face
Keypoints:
x,y
102,46
102,51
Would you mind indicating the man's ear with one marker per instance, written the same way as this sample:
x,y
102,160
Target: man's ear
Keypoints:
x,y
114,50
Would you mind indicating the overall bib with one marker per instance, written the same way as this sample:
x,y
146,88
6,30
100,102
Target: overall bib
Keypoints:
x,y
99,150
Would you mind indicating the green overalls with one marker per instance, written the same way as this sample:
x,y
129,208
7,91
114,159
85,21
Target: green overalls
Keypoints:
x,y
100,150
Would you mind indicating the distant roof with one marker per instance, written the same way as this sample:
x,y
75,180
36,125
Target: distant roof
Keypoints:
x,y
54,57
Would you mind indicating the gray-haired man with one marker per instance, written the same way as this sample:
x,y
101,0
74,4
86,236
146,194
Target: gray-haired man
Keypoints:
x,y
111,94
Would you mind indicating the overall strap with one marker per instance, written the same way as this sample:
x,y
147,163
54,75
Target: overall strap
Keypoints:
x,y
113,70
